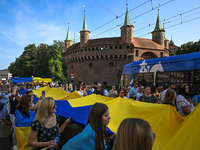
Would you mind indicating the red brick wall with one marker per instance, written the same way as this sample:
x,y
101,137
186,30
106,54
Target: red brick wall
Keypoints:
x,y
67,44
84,37
127,34
167,44
158,37
101,71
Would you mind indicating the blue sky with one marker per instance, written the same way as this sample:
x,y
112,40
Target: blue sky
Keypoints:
x,y
24,22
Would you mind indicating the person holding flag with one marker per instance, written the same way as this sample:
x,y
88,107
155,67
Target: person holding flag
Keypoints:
x,y
45,126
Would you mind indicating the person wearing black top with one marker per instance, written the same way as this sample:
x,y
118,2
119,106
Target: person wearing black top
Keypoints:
x,y
98,90
147,96
14,100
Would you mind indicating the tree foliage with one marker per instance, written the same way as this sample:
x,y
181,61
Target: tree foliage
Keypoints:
x,y
189,47
41,61
55,63
172,54
13,69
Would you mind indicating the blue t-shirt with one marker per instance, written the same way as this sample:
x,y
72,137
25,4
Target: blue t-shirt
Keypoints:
x,y
89,92
134,91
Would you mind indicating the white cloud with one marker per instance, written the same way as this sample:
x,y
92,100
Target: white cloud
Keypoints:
x,y
31,30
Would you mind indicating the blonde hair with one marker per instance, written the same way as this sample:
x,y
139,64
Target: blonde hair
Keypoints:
x,y
140,88
43,113
134,134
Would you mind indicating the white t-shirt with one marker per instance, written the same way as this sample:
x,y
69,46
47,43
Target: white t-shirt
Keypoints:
x,y
138,96
81,93
92,90
163,95
36,87
105,92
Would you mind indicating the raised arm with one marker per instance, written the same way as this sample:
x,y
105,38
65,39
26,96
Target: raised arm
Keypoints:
x,y
64,125
14,92
37,104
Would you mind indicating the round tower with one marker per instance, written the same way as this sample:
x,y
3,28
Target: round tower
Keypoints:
x,y
127,29
84,33
158,33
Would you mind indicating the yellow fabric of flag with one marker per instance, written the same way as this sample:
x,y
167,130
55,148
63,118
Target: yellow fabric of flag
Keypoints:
x,y
22,134
187,135
163,119
73,95
56,93
89,100
38,79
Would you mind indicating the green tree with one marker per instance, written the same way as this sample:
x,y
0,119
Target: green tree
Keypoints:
x,y
61,46
190,47
172,54
24,64
13,69
55,63
41,61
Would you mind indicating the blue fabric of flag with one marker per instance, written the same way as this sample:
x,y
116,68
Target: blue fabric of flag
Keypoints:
x,y
23,121
79,115
20,80
85,140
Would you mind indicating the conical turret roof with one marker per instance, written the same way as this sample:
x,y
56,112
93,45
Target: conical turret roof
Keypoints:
x,y
158,24
127,20
84,23
68,34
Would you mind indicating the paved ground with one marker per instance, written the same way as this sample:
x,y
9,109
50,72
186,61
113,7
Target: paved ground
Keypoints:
x,y
70,131
4,133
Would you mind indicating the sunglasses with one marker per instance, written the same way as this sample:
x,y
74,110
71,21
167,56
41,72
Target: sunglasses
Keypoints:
x,y
136,83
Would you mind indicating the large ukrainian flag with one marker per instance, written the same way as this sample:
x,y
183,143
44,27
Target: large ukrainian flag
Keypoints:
x,y
171,130
163,119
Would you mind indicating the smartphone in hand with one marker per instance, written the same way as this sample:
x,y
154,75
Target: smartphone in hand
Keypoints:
x,y
43,93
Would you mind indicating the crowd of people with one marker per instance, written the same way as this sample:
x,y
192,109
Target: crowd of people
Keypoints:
x,y
144,93
45,126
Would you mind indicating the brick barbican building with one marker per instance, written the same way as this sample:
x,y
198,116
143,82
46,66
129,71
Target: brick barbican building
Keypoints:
x,y
100,60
